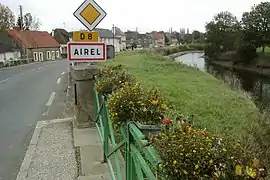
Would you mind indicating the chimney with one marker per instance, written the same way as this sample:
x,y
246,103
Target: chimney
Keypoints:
x,y
53,33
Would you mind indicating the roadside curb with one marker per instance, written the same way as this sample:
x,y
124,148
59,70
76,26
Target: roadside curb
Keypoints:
x,y
23,172
22,65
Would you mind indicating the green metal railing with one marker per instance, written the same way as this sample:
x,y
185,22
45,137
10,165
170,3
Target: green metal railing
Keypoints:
x,y
140,159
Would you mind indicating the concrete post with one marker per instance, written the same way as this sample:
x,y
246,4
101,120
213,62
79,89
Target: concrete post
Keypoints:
x,y
83,76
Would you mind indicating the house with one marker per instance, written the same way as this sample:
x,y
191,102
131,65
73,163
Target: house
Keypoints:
x,y
160,39
172,37
34,45
132,38
122,36
145,41
62,37
152,40
7,54
106,36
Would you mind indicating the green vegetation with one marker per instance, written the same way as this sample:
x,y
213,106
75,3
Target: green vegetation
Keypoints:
x,y
192,92
186,149
225,33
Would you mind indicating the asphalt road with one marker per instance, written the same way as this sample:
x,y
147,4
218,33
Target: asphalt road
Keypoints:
x,y
28,93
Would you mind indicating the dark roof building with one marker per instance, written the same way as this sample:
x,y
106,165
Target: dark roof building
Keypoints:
x,y
61,36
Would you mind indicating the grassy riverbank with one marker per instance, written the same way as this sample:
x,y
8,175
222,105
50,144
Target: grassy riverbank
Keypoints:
x,y
192,92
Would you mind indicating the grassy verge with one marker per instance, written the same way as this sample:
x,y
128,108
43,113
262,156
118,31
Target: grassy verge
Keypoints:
x,y
192,92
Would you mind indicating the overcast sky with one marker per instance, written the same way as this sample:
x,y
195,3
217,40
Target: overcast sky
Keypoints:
x,y
146,15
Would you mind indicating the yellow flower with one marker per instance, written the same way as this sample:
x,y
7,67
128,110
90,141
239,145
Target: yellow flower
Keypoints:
x,y
238,170
185,172
174,162
154,102
196,166
164,106
211,161
251,172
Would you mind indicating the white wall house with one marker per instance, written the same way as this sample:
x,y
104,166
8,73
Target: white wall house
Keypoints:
x,y
111,41
7,54
106,36
122,36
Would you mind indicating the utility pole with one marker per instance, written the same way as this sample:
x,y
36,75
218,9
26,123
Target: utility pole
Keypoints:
x,y
21,16
113,34
21,27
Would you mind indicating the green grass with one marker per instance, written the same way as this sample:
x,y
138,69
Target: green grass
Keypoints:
x,y
192,92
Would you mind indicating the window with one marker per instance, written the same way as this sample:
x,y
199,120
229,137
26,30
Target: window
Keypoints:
x,y
35,56
57,54
40,56
53,55
48,55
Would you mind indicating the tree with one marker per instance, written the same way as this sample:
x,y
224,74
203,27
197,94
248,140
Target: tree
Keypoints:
x,y
28,19
29,22
166,39
35,25
196,35
7,18
222,33
257,23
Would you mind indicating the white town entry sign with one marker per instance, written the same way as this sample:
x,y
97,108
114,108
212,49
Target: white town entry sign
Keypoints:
x,y
86,51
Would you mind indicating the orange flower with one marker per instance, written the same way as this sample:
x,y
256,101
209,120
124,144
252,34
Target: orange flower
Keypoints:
x,y
205,133
154,102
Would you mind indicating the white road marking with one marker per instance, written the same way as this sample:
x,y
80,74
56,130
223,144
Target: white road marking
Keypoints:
x,y
50,100
3,80
58,80
63,73
21,74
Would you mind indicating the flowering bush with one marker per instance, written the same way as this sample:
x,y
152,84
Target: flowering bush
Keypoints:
x,y
111,78
189,153
185,152
132,101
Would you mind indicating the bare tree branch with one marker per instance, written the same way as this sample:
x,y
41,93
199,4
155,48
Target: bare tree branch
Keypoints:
x,y
35,24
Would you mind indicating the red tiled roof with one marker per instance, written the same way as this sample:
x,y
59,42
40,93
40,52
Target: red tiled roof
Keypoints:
x,y
33,39
159,36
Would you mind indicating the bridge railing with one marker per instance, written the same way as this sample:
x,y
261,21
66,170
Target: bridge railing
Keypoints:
x,y
140,159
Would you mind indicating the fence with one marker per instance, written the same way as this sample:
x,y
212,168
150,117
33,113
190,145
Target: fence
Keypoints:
x,y
141,160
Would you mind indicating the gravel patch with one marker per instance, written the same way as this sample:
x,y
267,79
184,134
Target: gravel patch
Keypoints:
x,y
54,158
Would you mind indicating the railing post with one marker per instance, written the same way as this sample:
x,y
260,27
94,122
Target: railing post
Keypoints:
x,y
105,115
130,167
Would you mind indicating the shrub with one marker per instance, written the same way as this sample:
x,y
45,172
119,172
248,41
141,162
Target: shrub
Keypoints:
x,y
111,78
133,102
189,153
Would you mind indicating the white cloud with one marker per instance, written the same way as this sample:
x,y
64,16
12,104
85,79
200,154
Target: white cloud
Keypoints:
x,y
146,15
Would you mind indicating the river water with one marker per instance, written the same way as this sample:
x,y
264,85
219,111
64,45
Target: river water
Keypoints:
x,y
257,86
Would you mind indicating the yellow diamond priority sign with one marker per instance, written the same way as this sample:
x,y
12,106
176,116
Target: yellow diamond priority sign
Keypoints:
x,y
90,14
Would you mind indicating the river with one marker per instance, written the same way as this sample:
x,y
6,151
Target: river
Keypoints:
x,y
257,86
